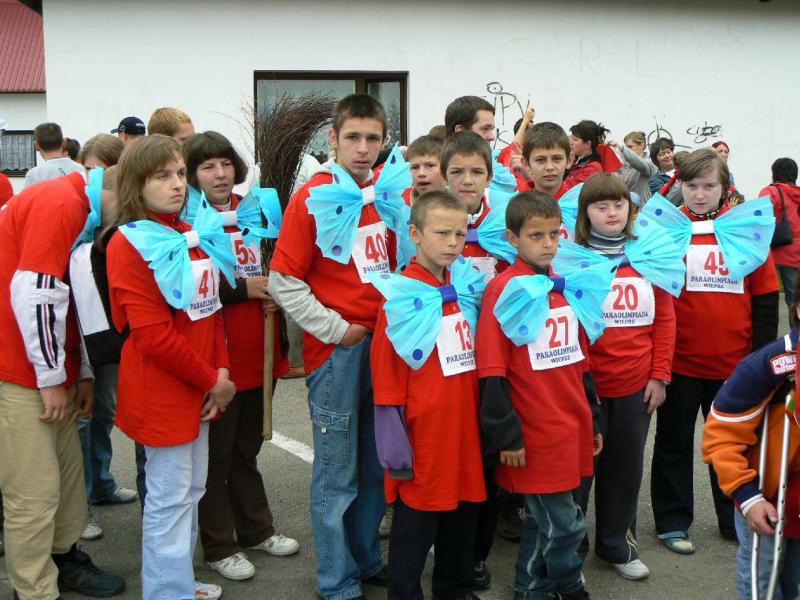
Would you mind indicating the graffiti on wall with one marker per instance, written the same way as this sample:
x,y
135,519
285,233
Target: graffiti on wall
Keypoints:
x,y
699,134
508,109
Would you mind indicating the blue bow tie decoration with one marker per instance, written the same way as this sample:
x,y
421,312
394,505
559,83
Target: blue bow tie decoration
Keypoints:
x,y
653,254
414,309
491,233
569,208
167,252
744,232
337,206
503,179
524,305
258,201
94,191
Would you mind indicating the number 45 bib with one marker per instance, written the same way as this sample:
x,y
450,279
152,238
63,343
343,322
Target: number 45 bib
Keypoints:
x,y
369,250
706,271
558,344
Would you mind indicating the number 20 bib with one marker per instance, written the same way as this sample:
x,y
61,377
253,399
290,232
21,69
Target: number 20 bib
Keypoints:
x,y
558,344
369,250
706,271
630,303
455,345
206,290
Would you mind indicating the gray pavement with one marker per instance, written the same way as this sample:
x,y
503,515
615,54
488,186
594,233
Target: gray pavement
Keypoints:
x,y
707,575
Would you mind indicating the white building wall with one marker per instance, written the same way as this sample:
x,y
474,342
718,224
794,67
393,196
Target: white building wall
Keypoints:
x,y
22,112
722,69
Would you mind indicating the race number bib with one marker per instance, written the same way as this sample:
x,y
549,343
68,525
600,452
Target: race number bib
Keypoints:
x,y
558,344
369,250
706,271
248,258
206,290
631,303
486,265
455,345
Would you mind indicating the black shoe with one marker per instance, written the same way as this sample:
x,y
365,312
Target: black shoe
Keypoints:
x,y
380,579
78,573
481,577
580,594
509,519
469,596
729,534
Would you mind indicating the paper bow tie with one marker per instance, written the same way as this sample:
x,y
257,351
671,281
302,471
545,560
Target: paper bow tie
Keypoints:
x,y
569,208
744,232
491,233
167,252
248,214
653,254
414,309
337,206
523,306
94,191
503,179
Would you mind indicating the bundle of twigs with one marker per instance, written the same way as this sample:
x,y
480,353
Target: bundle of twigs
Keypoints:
x,y
283,132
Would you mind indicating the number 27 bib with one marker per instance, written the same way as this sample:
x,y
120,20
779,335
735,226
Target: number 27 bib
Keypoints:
x,y
558,344
370,254
706,271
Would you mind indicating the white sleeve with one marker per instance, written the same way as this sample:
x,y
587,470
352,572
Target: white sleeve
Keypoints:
x,y
40,304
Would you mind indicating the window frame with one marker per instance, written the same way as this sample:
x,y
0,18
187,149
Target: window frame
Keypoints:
x,y
19,172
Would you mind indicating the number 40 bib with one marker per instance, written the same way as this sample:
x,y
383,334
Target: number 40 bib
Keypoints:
x,y
558,344
369,250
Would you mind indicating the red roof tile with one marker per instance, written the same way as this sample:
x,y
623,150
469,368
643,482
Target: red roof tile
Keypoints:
x,y
21,48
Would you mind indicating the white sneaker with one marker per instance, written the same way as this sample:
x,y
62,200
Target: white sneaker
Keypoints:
x,y
633,570
93,530
235,567
207,591
386,522
278,545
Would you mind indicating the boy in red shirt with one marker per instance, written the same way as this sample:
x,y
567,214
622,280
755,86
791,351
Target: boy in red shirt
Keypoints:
x,y
423,157
534,409
427,410
323,285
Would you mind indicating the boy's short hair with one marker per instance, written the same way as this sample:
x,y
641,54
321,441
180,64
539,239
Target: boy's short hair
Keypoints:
x,y
425,145
465,143
49,136
431,200
545,135
167,121
106,147
358,106
599,187
591,132
659,145
527,205
439,131
210,144
784,170
464,111
702,162
72,147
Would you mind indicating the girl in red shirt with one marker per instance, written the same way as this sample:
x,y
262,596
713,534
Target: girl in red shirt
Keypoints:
x,y
173,375
585,140
235,498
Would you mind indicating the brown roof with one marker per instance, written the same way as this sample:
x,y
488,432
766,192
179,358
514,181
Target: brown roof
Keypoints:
x,y
21,48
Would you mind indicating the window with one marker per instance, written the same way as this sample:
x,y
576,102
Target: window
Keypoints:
x,y
388,87
17,152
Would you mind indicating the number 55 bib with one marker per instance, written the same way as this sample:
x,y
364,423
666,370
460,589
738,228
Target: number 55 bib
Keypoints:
x,y
558,344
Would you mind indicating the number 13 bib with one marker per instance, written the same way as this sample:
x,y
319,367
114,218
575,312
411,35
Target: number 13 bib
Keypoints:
x,y
558,344
369,250
706,271
455,345
206,290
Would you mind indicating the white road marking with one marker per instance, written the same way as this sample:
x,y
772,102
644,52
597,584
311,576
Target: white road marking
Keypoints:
x,y
292,446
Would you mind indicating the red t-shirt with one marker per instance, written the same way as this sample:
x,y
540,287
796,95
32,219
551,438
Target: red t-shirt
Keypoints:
x,y
788,255
581,171
338,287
715,329
6,190
158,403
482,259
441,414
244,321
627,355
550,402
37,232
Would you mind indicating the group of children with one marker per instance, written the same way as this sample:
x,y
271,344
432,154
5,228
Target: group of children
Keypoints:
x,y
540,323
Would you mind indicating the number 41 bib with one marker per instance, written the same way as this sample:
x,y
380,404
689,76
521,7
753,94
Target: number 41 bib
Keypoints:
x,y
369,250
206,290
558,344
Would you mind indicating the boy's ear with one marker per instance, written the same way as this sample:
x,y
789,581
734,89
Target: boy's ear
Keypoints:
x,y
458,128
332,138
512,238
414,234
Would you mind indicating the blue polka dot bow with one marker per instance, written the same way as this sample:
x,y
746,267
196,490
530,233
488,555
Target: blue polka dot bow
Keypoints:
x,y
569,209
653,254
259,202
744,232
167,252
337,206
524,305
414,309
503,179
491,233
94,191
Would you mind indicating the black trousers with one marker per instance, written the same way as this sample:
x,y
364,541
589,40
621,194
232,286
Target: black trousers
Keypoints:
x,y
624,423
487,514
671,478
451,533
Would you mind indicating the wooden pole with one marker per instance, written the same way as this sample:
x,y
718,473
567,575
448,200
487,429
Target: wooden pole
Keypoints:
x,y
267,248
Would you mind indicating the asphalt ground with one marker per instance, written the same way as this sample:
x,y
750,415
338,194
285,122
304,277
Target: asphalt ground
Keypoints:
x,y
709,574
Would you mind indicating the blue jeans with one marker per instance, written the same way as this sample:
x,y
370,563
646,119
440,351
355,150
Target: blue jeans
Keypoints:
x,y
789,276
176,480
347,500
548,560
96,435
789,579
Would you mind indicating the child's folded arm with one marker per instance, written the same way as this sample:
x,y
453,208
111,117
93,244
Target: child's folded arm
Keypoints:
x,y
765,319
500,425
391,438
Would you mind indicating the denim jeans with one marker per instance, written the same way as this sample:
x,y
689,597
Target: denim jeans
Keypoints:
x,y
176,480
789,580
548,560
347,500
789,276
96,435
